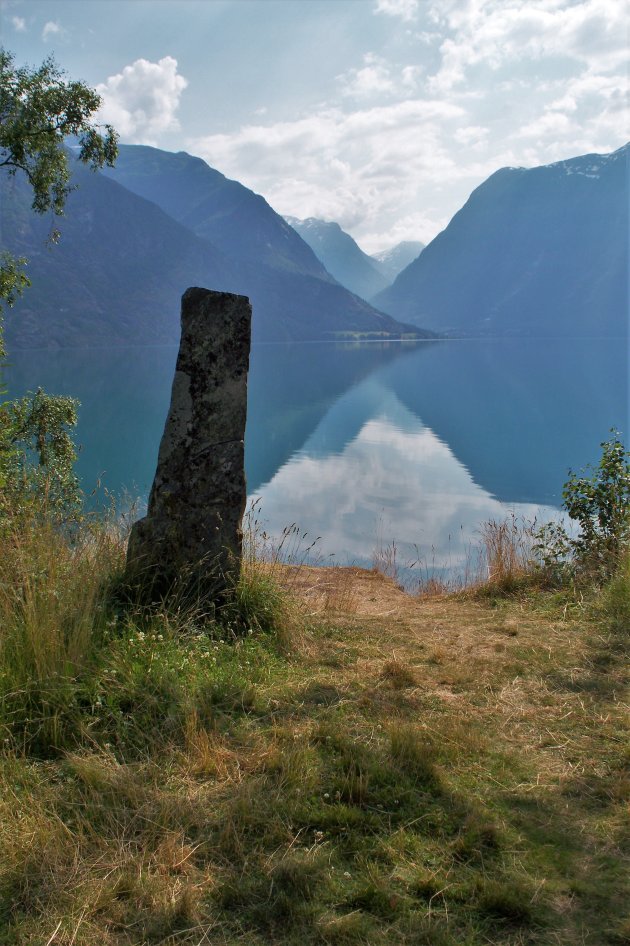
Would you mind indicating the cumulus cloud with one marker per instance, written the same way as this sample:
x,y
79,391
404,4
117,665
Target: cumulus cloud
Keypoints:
x,y
373,78
551,123
51,29
498,33
472,136
407,10
545,78
377,77
141,101
354,167
19,24
590,114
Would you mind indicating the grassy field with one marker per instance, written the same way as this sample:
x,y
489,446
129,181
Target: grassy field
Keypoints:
x,y
336,762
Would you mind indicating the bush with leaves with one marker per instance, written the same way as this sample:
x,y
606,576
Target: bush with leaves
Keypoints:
x,y
37,464
599,502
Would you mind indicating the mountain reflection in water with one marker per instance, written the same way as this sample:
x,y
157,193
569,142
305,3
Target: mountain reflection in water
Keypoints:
x,y
389,480
360,443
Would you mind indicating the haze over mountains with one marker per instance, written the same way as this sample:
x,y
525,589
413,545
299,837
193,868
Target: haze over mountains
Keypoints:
x,y
293,296
392,262
341,255
346,261
133,240
541,251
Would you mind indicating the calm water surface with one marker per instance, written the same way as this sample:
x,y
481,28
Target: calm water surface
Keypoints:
x,y
369,444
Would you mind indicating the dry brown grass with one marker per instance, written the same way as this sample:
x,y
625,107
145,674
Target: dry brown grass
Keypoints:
x,y
328,590
442,770
398,674
49,596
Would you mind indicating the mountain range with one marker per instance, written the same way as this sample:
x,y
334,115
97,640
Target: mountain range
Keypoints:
x,y
341,256
540,251
293,295
346,261
133,239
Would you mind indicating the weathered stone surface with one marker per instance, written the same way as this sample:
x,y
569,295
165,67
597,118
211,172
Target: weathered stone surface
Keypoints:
x,y
192,530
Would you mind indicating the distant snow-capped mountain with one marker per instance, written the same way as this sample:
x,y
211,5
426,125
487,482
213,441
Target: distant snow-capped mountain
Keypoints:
x,y
341,255
392,262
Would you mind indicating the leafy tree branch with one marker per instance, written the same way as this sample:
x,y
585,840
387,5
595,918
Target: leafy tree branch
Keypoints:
x,y
39,110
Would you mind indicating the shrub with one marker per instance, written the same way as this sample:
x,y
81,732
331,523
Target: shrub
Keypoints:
x,y
37,456
599,501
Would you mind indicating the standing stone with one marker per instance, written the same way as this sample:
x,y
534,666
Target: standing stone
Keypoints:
x,y
192,530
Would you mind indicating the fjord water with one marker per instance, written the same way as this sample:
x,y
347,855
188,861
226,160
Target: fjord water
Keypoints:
x,y
368,444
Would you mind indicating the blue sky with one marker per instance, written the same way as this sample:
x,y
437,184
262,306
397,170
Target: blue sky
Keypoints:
x,y
380,114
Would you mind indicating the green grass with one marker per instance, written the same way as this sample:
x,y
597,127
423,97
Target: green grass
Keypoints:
x,y
453,775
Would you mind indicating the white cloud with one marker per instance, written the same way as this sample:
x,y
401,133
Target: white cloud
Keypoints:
x,y
590,115
407,10
141,101
372,79
19,24
409,76
429,112
52,28
378,78
355,168
415,225
472,135
550,124
499,33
